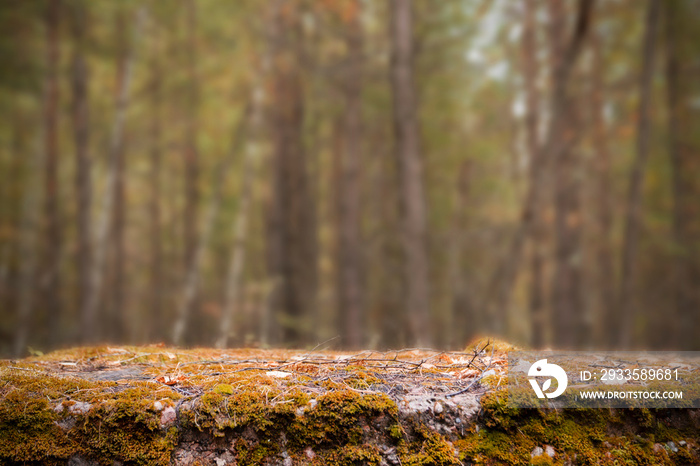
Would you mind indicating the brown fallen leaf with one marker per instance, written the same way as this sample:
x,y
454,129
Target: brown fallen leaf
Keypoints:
x,y
445,358
168,380
468,373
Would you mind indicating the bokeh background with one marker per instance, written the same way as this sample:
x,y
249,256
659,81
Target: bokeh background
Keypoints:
x,y
350,173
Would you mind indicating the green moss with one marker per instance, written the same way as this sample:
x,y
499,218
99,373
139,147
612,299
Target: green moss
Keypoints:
x,y
396,433
542,460
336,424
126,428
224,389
28,430
496,447
429,449
338,418
591,436
252,454
120,425
350,455
217,412
497,412
362,380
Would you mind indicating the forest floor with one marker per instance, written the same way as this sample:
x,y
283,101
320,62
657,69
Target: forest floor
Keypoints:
x,y
160,405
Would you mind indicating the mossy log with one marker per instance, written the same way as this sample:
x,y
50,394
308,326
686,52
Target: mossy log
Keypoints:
x,y
165,406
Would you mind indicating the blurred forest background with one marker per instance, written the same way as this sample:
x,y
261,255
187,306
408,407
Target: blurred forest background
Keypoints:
x,y
384,174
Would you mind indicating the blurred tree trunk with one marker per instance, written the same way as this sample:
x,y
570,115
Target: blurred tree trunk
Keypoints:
x,y
89,329
191,285
464,320
11,195
234,275
626,304
388,270
292,252
532,97
51,283
410,169
81,129
350,287
156,265
682,39
190,217
114,329
555,144
28,242
604,270
567,298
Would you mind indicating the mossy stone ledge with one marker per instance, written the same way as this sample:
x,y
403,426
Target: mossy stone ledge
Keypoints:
x,y
155,405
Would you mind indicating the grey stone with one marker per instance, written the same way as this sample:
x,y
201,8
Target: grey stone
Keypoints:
x,y
66,424
79,408
168,417
80,461
287,461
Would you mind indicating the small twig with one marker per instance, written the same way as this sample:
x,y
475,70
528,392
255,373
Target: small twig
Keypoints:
x,y
465,390
323,343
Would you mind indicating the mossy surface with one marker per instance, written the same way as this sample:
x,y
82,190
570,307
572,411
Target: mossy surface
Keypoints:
x,y
506,435
45,419
155,405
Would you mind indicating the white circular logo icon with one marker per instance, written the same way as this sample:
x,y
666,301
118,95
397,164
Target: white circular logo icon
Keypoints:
x,y
542,369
